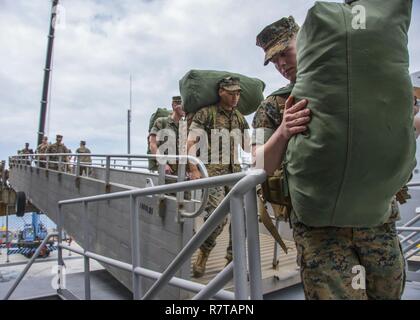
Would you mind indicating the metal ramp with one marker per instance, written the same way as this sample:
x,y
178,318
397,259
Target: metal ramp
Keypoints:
x,y
163,236
143,234
120,209
285,274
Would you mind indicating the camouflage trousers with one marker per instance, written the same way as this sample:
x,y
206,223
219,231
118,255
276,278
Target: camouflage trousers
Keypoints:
x,y
216,196
351,263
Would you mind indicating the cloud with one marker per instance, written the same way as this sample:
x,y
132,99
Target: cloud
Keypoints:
x,y
105,41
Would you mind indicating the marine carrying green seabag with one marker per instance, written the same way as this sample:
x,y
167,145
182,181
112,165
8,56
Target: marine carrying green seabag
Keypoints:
x,y
360,147
159,113
199,88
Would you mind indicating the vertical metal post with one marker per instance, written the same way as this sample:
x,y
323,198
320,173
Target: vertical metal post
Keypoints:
x,y
128,137
129,124
180,194
7,233
135,247
86,248
60,237
60,163
253,237
239,250
107,170
77,166
60,260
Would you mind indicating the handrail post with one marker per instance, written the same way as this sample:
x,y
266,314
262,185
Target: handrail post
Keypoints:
x,y
107,170
253,238
77,166
238,244
60,163
60,237
86,248
7,233
135,247
60,261
180,195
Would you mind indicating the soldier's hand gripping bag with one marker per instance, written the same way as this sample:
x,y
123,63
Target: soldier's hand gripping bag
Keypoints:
x,y
360,146
199,88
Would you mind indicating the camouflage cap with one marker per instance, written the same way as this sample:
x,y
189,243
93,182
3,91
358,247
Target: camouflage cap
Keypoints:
x,y
230,84
276,37
177,99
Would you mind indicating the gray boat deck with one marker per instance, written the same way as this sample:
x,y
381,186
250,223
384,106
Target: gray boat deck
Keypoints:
x,y
285,274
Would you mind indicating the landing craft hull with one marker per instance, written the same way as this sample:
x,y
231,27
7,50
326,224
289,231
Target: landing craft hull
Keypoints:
x,y
109,227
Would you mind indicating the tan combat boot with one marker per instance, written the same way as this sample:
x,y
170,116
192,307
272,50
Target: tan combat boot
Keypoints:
x,y
199,266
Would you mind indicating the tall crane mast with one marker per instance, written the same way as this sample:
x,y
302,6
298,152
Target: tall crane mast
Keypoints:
x,y
47,72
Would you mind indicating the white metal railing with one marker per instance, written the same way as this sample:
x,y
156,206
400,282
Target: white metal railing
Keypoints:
x,y
60,162
241,202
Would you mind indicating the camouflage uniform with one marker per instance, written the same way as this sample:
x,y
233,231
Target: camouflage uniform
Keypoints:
x,y
56,148
27,151
269,116
326,255
204,119
266,120
41,149
84,160
169,124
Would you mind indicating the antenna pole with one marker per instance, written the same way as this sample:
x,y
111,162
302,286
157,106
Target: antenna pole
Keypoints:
x,y
129,122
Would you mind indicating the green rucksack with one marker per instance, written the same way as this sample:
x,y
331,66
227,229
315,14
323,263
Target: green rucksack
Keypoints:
x,y
160,113
360,146
199,88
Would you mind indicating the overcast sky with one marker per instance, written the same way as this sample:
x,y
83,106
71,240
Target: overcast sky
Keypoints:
x,y
102,42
